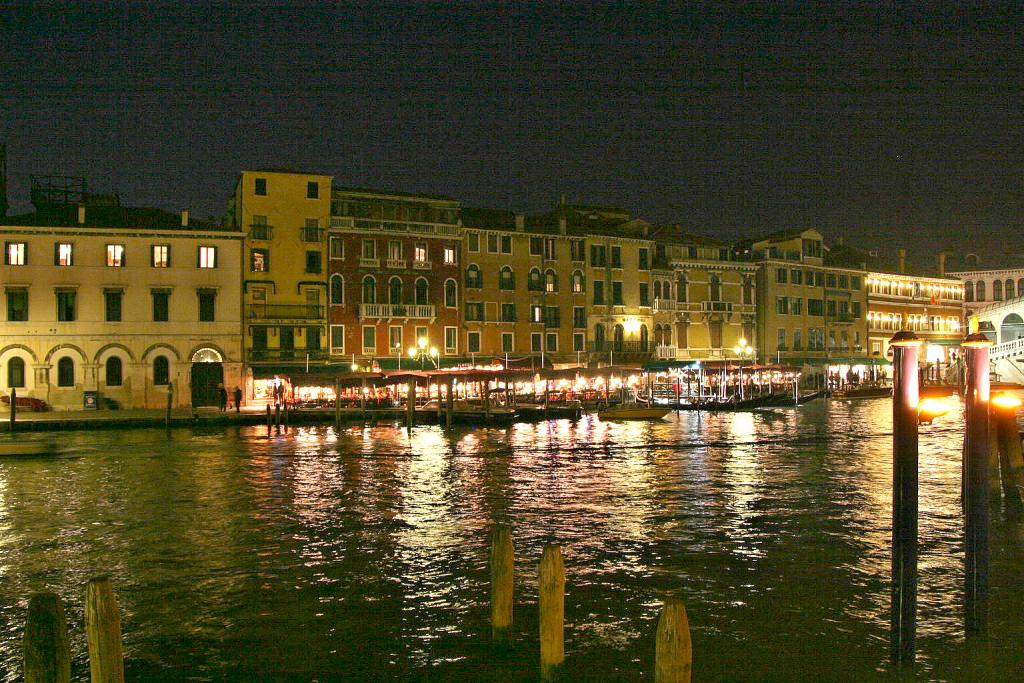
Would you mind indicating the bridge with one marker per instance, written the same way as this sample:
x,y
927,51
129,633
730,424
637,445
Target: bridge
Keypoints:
x,y
1003,323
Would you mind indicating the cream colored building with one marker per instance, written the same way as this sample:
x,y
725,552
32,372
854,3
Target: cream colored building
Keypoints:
x,y
123,311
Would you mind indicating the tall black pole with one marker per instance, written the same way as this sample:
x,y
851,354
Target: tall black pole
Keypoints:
x,y
976,474
903,616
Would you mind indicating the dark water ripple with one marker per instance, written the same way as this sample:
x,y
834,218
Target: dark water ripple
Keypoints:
x,y
361,554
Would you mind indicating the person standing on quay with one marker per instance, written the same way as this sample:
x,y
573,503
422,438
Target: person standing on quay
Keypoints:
x,y
238,398
223,395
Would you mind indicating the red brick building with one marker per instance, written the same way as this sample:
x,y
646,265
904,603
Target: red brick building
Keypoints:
x,y
394,278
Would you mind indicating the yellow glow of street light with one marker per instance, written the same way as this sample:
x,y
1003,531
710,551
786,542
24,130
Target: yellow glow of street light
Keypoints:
x,y
412,352
422,342
433,351
1006,401
632,325
355,366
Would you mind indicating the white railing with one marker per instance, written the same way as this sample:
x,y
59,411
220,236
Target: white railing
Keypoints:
x,y
1010,349
395,263
422,265
717,306
442,229
662,352
369,262
662,305
396,311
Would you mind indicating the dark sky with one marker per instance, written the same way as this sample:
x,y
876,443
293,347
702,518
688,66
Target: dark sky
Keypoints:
x,y
874,124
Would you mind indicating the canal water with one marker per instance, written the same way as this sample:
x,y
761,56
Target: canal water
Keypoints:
x,y
361,554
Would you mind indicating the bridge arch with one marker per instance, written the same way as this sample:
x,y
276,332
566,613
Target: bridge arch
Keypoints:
x,y
1012,327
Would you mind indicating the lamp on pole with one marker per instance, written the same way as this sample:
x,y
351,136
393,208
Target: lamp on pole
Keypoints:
x,y
421,352
743,349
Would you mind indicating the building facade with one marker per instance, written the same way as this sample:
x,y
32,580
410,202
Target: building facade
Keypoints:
x,y
119,312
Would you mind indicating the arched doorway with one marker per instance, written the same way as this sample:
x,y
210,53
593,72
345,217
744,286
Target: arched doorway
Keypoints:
x,y
618,337
206,377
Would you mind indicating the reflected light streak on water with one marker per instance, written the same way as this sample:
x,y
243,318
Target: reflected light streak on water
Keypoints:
x,y
362,553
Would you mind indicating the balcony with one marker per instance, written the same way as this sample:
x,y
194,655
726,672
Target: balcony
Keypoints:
x,y
419,311
845,318
284,312
257,355
619,347
716,306
261,232
439,229
307,234
395,263
422,265
662,352
664,305
369,262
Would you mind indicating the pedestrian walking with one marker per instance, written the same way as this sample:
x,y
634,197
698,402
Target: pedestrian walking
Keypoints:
x,y
238,399
223,394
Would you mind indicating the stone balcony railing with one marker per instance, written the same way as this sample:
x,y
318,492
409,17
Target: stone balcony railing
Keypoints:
x,y
419,311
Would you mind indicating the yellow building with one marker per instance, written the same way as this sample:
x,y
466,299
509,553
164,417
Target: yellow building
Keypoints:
x,y
284,216
704,300
115,305
809,311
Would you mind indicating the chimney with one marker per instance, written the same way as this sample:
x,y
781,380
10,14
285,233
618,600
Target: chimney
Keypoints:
x,y
942,264
520,222
184,218
81,214
562,227
901,254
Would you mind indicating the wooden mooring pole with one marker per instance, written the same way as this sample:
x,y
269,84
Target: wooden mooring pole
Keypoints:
x,y
673,650
170,401
46,647
551,582
502,572
337,402
449,403
103,631
903,610
14,408
1011,458
976,484
410,399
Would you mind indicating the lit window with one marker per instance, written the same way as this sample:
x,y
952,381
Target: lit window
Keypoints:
x,y
115,255
449,255
14,253
64,254
161,256
420,252
207,257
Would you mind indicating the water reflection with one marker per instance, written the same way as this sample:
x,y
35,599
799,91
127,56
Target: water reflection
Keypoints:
x,y
364,550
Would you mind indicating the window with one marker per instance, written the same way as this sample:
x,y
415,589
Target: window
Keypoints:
x,y
616,257
261,187
748,290
617,294
552,342
161,371
506,244
337,339
395,338
207,257
395,291
492,242
550,281
337,293
160,256
997,290
536,313
115,255
112,305
312,190
449,256
781,340
844,281
17,305
421,333
796,306
395,250
691,252
716,288
579,341
507,279
549,249
15,253
113,373
311,231
645,299
830,280
313,262
161,305
969,291
336,247
63,254
819,280
472,341
534,283
552,316
369,290
723,254
598,287
577,282
259,260
369,249
421,291
207,301
798,344
831,339
644,259
474,311
312,338
451,340
980,290
66,305
830,308
65,372
598,256
473,241
576,247
579,317
16,373
474,278
369,339
815,307
535,342
507,342
856,309
508,313
796,277
780,275
782,305
536,246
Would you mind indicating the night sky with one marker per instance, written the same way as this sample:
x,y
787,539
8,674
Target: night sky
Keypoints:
x,y
865,123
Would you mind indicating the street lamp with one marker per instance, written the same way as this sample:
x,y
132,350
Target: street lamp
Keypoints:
x,y
421,352
743,349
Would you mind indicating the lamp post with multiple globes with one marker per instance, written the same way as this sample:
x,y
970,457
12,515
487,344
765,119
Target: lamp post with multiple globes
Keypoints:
x,y
743,350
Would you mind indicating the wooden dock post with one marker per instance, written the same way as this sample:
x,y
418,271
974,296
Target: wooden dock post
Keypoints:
x,y
337,402
440,405
487,401
673,649
1011,459
277,416
976,485
46,647
551,582
270,419
502,572
103,631
449,403
14,407
410,408
170,400
362,399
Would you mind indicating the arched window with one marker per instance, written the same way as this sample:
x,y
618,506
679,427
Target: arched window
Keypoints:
x,y
716,288
534,283
507,279
550,281
421,291
16,373
1020,287
667,335
474,278
644,338
451,294
114,375
161,371
599,337
369,290
748,290
969,291
65,372
577,282
619,337
681,288
337,290
395,291
979,290
997,290
1008,288
657,295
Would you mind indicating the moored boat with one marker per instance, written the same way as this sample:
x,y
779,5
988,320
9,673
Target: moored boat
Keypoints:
x,y
633,412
